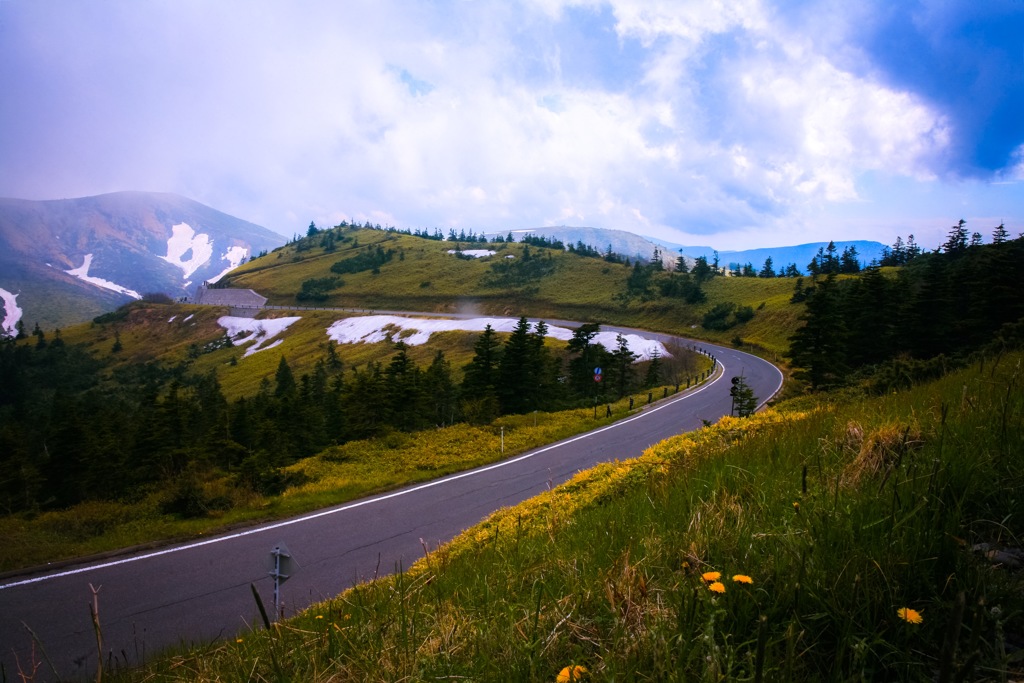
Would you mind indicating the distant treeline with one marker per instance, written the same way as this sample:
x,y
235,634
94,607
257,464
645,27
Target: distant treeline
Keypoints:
x,y
72,429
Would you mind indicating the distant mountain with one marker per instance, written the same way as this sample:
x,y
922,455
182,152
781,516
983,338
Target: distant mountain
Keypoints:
x,y
800,254
67,260
619,241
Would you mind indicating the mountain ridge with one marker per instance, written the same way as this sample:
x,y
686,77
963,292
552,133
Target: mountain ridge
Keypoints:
x,y
70,259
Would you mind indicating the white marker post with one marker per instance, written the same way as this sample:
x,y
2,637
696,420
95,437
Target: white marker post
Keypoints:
x,y
281,565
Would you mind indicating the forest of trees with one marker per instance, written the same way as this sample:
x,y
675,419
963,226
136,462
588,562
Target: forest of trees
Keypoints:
x,y
73,430
940,305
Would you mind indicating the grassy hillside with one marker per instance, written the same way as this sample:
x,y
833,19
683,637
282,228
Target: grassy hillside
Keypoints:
x,y
838,538
422,275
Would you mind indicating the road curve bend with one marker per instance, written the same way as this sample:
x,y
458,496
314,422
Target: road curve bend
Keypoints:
x,y
199,591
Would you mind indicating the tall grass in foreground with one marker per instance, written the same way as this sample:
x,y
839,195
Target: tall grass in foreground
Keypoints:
x,y
846,539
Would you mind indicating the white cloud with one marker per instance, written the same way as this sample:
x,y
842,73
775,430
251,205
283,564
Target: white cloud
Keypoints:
x,y
466,114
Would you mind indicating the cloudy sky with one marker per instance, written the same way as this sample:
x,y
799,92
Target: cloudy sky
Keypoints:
x,y
735,124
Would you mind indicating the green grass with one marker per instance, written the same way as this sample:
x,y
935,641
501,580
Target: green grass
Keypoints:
x,y
841,509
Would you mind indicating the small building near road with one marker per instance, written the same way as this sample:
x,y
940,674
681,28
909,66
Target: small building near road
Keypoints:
x,y
240,298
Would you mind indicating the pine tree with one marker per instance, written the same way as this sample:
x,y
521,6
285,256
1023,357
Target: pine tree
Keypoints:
x,y
653,376
621,368
1000,234
284,380
403,391
480,379
744,403
587,357
517,380
956,241
441,390
818,347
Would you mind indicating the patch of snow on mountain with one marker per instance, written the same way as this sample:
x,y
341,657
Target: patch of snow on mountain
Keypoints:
x,y
372,329
234,256
12,314
260,331
475,253
82,273
184,239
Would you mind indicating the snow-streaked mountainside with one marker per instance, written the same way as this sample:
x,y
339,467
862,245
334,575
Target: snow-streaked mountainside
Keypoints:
x,y
68,260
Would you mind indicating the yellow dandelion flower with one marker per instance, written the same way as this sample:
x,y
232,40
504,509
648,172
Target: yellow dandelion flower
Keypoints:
x,y
711,576
717,587
796,506
574,672
238,640
911,616
742,578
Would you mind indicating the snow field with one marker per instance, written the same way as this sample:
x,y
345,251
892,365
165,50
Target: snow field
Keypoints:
x,y
371,329
259,331
183,238
475,253
82,273
12,314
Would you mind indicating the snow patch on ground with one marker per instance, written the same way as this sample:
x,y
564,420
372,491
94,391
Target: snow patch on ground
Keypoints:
x,y
234,257
259,331
82,273
371,329
475,253
12,314
183,238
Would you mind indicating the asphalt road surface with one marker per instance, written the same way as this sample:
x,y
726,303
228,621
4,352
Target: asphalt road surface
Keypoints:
x,y
199,591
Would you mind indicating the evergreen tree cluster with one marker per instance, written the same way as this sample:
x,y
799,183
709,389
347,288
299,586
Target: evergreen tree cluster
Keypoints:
x,y
371,259
72,429
942,304
511,273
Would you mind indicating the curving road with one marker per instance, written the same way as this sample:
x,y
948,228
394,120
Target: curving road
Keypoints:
x,y
199,591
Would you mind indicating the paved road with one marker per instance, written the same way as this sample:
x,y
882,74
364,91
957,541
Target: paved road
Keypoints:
x,y
200,591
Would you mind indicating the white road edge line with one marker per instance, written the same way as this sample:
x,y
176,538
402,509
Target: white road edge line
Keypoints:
x,y
361,503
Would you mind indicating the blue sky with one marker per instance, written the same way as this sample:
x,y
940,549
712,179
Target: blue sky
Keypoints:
x,y
736,124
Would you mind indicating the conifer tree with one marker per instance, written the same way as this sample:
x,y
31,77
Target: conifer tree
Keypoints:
x,y
818,347
284,380
480,378
621,367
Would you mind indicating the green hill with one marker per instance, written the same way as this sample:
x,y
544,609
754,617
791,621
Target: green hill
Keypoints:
x,y
421,275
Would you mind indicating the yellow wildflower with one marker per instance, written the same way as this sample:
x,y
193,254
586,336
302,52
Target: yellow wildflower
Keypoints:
x,y
711,576
717,587
319,616
911,616
742,578
574,672
238,640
